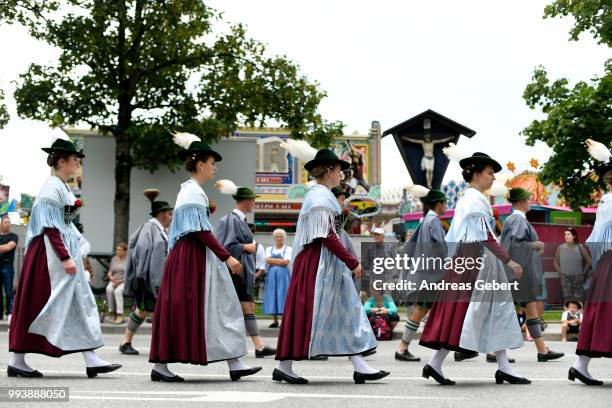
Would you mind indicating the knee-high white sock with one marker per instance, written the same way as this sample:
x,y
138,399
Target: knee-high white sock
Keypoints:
x,y
361,366
92,360
503,363
582,365
286,367
437,359
18,361
235,364
162,368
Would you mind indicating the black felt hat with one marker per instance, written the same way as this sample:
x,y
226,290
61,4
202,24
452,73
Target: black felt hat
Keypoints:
x,y
159,206
326,157
199,147
603,168
338,191
517,194
62,145
478,158
434,196
244,193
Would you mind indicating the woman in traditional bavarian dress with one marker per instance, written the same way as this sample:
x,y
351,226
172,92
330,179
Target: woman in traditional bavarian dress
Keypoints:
x,y
596,329
323,315
55,312
197,316
474,319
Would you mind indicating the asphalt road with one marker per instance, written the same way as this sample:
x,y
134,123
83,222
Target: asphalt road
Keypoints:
x,y
331,382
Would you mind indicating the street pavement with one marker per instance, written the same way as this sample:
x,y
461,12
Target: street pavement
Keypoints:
x,y
331,382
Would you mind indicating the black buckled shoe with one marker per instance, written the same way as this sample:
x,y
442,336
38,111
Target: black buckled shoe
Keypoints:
x,y
549,355
278,375
235,375
460,356
361,378
266,351
157,376
573,374
94,371
428,371
128,349
500,377
406,356
274,325
491,358
16,372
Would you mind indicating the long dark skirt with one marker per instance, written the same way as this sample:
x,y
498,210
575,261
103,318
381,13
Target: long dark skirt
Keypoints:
x,y
32,295
595,339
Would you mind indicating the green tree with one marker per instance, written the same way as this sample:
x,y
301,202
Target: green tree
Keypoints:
x,y
4,116
137,70
573,113
594,16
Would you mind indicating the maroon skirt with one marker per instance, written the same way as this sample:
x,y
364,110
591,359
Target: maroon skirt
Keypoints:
x,y
32,295
595,338
178,323
294,336
445,321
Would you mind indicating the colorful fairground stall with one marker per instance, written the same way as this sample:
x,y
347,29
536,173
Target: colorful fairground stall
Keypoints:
x,y
281,181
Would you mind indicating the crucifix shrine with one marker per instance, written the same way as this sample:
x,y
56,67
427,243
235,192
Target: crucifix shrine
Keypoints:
x,y
420,141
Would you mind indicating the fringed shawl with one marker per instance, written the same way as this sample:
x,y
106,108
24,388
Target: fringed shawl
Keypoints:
x,y
600,239
316,219
191,213
473,220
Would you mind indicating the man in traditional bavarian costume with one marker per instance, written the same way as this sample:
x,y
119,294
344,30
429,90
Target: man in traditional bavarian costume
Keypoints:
x,y
147,251
234,234
428,242
521,241
55,311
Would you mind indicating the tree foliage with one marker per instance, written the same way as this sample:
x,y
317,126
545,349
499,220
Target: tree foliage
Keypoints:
x,y
594,16
573,113
4,116
138,70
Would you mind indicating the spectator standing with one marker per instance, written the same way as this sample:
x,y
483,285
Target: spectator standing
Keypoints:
x,y
8,244
573,262
278,258
116,284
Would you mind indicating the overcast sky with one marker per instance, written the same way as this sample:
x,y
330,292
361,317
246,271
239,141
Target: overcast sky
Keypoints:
x,y
388,60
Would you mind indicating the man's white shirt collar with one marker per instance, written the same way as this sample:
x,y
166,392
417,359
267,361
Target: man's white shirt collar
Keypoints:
x,y
519,212
160,226
239,214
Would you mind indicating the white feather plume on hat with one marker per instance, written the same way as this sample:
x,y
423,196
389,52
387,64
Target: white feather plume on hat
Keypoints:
x,y
498,189
417,190
184,139
226,187
300,149
455,153
598,150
